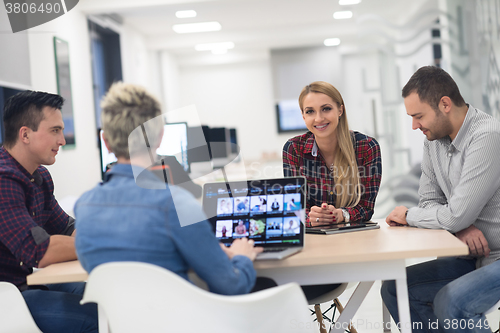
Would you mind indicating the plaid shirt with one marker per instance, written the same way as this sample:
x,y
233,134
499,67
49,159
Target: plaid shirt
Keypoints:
x,y
301,156
29,214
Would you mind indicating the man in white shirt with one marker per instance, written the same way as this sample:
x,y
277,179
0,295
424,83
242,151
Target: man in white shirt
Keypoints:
x,y
459,192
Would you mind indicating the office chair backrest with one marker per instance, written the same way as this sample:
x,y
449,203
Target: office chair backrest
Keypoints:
x,y
15,316
140,297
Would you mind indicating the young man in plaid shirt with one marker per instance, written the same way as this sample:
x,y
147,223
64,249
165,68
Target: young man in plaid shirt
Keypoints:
x,y
34,230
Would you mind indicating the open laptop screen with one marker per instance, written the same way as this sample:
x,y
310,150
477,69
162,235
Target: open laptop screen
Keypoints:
x,y
268,211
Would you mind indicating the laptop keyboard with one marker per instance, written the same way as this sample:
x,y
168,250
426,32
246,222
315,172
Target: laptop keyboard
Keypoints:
x,y
275,249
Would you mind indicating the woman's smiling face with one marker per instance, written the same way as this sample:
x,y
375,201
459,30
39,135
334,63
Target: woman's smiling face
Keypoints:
x,y
321,114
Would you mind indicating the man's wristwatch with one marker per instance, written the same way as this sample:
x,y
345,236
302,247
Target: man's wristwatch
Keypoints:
x,y
346,215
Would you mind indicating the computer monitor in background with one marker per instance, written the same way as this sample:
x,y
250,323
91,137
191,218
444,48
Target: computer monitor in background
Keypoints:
x,y
107,157
175,143
235,149
234,141
219,140
198,148
289,117
199,153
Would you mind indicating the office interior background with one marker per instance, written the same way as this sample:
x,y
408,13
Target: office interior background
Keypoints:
x,y
278,47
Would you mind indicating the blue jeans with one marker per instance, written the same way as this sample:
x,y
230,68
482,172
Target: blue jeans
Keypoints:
x,y
56,308
424,281
461,304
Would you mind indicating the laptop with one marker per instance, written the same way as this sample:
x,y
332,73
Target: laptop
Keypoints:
x,y
342,228
269,211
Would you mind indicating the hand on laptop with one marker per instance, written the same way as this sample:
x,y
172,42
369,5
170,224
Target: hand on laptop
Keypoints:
x,y
326,214
242,247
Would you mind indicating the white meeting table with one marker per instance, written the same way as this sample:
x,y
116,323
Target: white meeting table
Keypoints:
x,y
364,256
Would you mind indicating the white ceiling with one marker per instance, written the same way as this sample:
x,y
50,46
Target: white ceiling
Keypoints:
x,y
253,25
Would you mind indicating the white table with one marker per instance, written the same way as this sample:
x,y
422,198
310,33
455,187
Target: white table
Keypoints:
x,y
364,256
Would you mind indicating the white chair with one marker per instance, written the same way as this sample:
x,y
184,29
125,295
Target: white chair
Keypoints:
x,y
495,307
15,317
327,297
139,297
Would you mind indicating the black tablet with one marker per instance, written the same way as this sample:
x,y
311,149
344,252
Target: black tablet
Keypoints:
x,y
342,227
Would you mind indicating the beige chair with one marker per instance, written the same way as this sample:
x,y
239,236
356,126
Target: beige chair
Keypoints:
x,y
139,297
15,317
327,297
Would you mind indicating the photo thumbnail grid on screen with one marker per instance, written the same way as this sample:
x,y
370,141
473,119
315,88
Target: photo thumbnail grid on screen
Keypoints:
x,y
265,211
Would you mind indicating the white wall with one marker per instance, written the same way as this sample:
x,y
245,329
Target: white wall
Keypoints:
x,y
415,52
292,69
170,77
358,93
388,54
76,169
236,95
136,61
14,57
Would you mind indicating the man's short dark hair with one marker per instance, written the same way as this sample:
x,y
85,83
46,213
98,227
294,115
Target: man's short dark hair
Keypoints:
x,y
26,109
431,84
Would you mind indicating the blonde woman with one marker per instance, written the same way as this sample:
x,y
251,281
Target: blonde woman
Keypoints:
x,y
343,168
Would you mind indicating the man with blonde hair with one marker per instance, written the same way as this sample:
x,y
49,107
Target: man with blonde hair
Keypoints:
x,y
127,220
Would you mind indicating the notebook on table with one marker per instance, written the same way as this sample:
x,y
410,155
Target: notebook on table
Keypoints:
x,y
269,211
342,228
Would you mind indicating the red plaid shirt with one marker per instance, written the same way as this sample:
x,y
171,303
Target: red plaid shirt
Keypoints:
x,y
29,213
298,159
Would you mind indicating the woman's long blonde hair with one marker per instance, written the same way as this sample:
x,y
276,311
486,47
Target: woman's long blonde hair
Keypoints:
x,y
345,167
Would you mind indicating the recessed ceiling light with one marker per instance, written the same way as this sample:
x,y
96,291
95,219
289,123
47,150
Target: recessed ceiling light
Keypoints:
x,y
185,13
348,2
332,41
342,15
214,46
196,27
219,51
